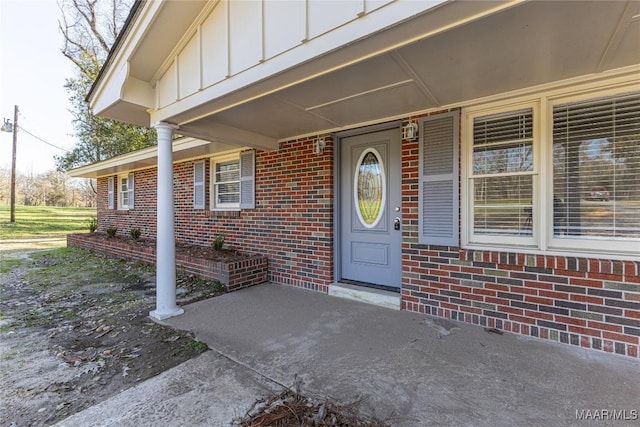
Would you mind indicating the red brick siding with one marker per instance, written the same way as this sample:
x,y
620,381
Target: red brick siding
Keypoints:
x,y
292,223
144,213
590,303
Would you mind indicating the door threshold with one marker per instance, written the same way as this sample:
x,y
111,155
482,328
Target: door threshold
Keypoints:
x,y
379,297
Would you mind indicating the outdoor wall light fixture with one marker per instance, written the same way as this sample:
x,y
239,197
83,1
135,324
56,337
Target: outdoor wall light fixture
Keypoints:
x,y
318,146
7,126
410,131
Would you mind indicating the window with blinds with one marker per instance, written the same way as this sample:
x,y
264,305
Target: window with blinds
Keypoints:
x,y
596,168
502,174
227,183
233,181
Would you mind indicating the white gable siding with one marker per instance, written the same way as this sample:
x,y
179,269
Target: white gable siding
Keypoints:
x,y
276,12
325,16
189,67
245,37
168,86
237,36
215,47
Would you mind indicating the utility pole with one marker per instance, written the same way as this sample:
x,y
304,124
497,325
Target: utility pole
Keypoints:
x,y
13,165
13,127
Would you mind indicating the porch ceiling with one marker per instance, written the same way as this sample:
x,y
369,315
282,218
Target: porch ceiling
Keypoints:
x,y
529,44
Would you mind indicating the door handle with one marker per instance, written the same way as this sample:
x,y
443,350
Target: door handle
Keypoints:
x,y
396,223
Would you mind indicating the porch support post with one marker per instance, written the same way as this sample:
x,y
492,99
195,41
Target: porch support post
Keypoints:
x,y
165,240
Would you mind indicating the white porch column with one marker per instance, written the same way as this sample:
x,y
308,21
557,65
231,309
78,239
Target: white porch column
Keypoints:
x,y
165,240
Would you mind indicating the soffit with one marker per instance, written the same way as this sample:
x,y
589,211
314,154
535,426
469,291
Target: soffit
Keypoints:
x,y
528,45
524,45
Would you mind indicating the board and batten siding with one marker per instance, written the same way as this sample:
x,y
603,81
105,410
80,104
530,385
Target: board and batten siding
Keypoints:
x,y
237,36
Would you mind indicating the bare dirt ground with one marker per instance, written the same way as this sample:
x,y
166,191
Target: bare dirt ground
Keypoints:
x,y
74,330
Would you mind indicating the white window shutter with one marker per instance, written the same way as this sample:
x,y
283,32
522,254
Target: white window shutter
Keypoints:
x,y
438,189
111,193
131,186
198,185
247,179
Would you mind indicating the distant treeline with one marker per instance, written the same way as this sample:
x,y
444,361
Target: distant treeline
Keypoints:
x,y
50,188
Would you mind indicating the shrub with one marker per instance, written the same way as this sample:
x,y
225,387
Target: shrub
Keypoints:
x,y
218,242
111,231
93,224
135,233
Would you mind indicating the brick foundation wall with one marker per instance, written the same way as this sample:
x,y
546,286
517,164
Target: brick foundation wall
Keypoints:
x,y
292,223
233,275
116,247
591,303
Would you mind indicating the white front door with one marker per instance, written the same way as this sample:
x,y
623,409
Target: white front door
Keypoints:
x,y
370,213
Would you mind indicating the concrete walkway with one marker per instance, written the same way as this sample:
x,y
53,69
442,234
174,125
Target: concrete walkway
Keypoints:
x,y
413,369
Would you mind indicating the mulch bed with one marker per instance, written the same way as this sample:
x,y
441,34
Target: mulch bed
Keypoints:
x,y
205,252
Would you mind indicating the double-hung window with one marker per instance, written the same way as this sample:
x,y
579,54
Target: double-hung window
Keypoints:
x,y
125,191
502,181
226,183
232,181
567,179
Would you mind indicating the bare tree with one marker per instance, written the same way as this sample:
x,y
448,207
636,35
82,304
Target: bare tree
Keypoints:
x,y
89,29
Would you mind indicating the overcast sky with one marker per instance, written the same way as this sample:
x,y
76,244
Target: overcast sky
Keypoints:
x,y
32,76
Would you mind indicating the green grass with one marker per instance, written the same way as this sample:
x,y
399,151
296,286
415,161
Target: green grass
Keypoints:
x,y
7,264
74,267
38,221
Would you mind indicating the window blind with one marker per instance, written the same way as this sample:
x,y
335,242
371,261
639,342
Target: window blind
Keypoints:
x,y
502,181
596,168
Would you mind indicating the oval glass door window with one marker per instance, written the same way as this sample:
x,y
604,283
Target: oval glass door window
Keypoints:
x,y
369,188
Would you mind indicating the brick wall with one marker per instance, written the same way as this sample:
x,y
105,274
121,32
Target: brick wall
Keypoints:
x,y
233,275
144,214
592,303
292,223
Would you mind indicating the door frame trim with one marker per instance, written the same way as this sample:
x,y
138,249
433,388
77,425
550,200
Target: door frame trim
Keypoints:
x,y
337,188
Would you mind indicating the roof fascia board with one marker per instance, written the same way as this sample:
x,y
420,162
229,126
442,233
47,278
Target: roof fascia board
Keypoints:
x,y
136,156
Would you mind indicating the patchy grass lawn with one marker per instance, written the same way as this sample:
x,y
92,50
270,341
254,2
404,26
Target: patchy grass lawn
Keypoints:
x,y
38,221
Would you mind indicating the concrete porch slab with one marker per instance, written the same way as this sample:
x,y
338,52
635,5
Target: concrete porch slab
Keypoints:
x,y
413,369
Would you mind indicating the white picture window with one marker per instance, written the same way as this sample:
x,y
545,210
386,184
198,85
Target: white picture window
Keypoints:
x,y
585,196
596,169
